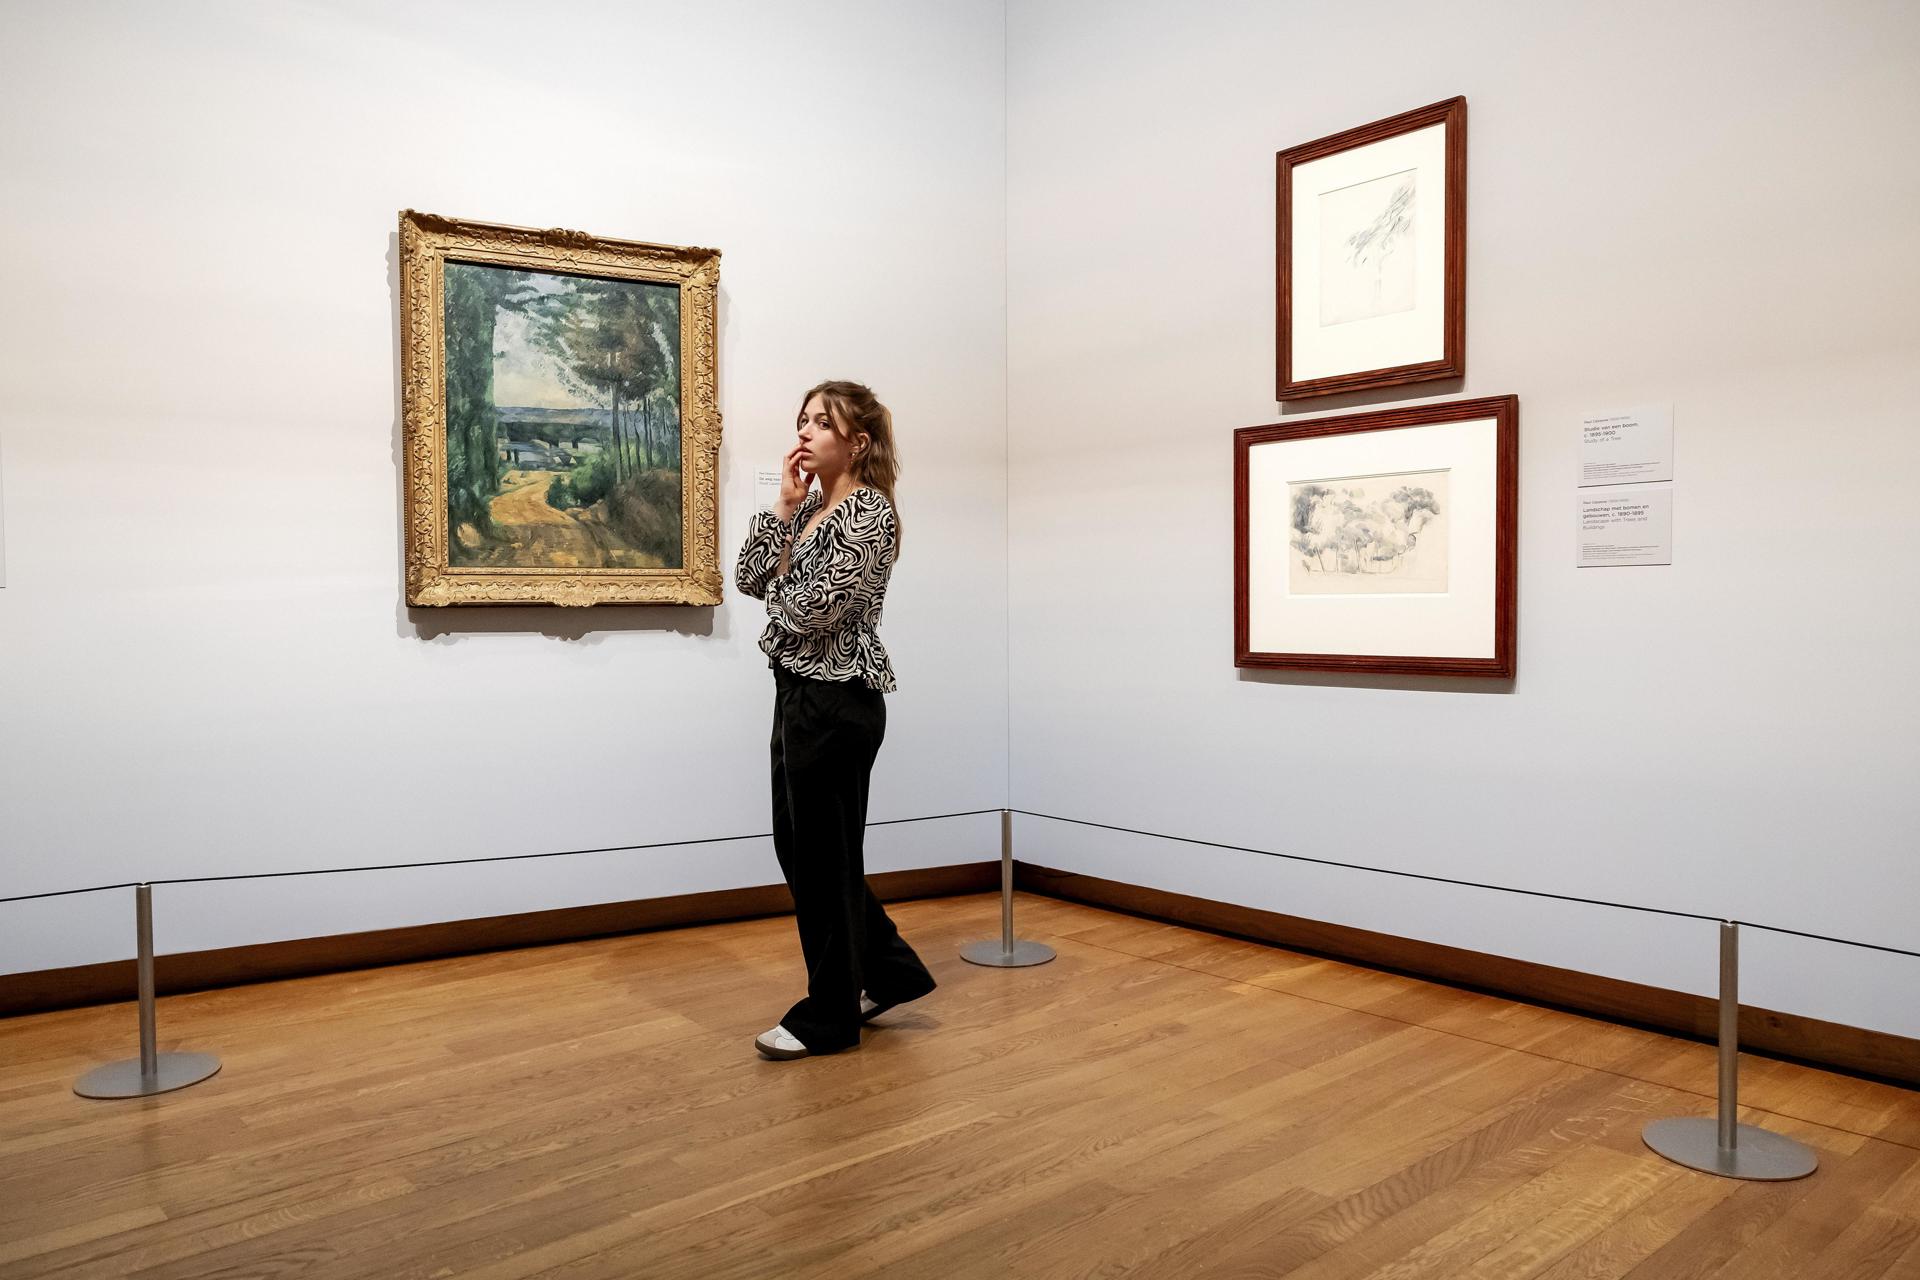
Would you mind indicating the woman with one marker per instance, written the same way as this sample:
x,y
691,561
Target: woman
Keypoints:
x,y
820,559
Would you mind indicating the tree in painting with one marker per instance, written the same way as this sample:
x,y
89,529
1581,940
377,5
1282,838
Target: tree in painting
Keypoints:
x,y
475,297
1337,531
1368,242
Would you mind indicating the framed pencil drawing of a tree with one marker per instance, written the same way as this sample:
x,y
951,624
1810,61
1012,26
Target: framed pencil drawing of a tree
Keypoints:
x,y
1372,255
561,421
1382,543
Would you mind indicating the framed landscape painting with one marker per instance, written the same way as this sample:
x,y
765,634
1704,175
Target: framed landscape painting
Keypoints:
x,y
1372,255
562,426
1379,542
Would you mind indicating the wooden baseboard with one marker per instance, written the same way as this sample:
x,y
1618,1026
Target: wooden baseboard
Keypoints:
x,y
1878,1054
114,980
1826,1044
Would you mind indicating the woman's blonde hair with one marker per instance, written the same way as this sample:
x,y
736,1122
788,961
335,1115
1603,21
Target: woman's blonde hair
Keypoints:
x,y
854,410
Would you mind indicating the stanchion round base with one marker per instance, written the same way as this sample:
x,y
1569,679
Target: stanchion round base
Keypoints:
x,y
123,1079
1760,1156
1022,955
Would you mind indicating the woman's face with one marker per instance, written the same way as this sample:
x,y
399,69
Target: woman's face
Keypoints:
x,y
822,451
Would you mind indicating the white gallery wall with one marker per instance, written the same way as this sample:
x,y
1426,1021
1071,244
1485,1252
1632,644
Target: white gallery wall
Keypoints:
x,y
206,663
1705,204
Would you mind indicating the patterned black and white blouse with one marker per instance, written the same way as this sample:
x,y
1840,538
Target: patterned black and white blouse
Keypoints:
x,y
823,614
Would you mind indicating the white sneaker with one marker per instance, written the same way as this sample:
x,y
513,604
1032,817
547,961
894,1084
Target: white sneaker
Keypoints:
x,y
780,1044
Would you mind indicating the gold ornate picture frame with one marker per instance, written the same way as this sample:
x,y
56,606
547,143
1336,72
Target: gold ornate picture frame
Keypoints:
x,y
562,426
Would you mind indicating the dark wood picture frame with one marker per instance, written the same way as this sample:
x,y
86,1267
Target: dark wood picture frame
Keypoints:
x,y
1453,359
1505,412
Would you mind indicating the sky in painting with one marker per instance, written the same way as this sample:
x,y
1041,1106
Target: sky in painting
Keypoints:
x,y
523,375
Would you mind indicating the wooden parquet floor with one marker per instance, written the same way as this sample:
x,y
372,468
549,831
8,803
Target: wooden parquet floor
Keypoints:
x,y
1155,1102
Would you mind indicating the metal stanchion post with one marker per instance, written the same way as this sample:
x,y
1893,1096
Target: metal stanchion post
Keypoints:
x,y
1723,1145
1006,953
152,1072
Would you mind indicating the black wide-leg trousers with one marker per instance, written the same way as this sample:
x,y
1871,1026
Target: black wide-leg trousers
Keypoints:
x,y
826,734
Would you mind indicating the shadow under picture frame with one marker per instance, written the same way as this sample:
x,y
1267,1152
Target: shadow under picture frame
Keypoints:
x,y
561,426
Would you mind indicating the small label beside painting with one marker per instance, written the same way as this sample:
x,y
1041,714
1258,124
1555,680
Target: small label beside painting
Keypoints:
x,y
1633,446
1626,527
766,488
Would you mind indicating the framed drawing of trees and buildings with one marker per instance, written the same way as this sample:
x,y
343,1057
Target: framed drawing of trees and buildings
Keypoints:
x,y
562,431
1372,255
1379,542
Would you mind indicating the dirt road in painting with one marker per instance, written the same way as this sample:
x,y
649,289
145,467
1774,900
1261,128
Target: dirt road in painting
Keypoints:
x,y
535,534
530,533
